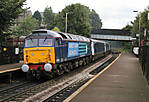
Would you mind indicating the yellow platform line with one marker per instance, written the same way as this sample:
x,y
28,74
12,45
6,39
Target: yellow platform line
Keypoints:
x,y
86,84
10,70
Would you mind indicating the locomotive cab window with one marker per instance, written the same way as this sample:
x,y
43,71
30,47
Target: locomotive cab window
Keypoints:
x,y
56,42
31,42
45,42
38,42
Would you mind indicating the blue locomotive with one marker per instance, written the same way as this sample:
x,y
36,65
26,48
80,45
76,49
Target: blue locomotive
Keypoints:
x,y
48,53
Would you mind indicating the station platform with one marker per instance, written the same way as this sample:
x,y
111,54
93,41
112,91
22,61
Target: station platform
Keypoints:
x,y
122,81
10,67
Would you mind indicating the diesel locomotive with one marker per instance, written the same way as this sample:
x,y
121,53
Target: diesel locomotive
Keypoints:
x,y
47,53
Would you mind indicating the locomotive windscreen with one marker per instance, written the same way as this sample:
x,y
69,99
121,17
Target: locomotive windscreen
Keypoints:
x,y
38,42
31,42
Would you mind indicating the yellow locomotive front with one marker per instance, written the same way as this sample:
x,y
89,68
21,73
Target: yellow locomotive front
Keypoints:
x,y
39,52
38,55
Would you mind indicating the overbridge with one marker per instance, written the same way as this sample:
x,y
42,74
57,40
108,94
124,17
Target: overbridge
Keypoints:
x,y
116,37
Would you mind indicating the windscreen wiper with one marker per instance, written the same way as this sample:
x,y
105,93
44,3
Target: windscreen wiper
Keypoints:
x,y
31,40
45,39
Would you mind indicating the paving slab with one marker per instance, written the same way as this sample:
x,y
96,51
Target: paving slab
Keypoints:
x,y
123,81
10,67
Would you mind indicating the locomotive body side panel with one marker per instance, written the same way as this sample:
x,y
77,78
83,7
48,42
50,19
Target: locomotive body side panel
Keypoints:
x,y
73,49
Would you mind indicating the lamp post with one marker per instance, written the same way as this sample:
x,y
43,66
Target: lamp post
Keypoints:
x,y
139,28
66,23
66,20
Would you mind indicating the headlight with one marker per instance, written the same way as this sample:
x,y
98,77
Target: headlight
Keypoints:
x,y
48,67
25,68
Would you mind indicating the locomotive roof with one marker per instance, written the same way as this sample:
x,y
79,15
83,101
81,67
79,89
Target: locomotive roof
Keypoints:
x,y
68,36
44,32
64,36
94,40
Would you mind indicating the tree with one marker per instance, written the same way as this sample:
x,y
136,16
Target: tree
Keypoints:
x,y
78,19
141,23
9,11
37,16
127,27
139,26
26,26
56,29
48,18
95,20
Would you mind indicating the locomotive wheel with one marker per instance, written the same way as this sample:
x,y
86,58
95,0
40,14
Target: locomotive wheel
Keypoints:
x,y
76,64
80,63
66,68
48,75
51,75
62,69
29,76
84,62
38,77
59,70
87,61
70,66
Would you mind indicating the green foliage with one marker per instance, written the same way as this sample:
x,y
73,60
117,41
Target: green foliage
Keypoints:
x,y
56,29
48,18
95,20
127,27
78,19
26,26
142,19
37,16
9,11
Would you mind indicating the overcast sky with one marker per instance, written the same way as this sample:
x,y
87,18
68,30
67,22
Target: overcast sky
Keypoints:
x,y
115,14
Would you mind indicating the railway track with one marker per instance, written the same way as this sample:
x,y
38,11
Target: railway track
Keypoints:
x,y
63,89
67,91
14,90
56,89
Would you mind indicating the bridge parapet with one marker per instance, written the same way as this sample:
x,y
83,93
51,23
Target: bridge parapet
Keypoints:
x,y
111,34
112,37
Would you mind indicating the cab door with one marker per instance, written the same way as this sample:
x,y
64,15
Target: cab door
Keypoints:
x,y
59,50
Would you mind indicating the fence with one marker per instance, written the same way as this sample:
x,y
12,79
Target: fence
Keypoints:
x,y
144,59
